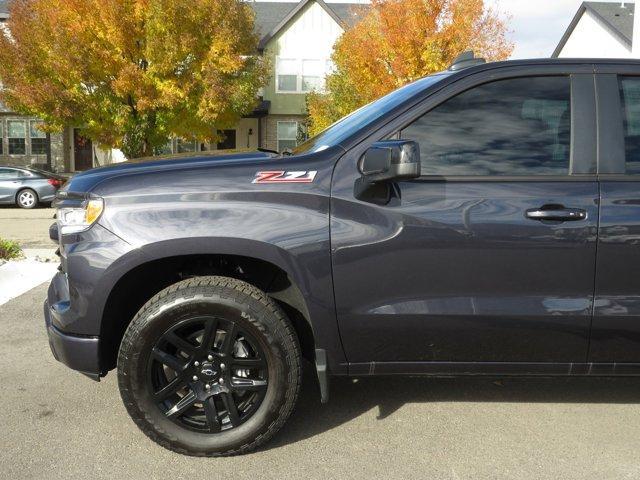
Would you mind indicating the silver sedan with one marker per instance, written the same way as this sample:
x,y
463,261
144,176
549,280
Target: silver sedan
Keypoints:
x,y
27,187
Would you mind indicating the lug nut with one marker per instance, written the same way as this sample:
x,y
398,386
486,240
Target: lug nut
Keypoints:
x,y
222,380
195,378
207,386
197,364
210,357
222,366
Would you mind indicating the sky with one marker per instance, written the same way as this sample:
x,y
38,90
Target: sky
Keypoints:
x,y
536,25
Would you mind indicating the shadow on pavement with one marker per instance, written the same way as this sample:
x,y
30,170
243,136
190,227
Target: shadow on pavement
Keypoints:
x,y
350,398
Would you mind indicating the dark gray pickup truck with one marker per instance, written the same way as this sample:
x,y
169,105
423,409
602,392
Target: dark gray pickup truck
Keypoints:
x,y
480,221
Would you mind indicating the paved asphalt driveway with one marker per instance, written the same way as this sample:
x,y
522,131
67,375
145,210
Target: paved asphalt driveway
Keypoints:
x,y
30,228
55,423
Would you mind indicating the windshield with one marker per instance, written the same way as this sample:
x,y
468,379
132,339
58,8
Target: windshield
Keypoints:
x,y
347,126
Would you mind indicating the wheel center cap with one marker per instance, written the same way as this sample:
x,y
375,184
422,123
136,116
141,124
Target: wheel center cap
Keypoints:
x,y
208,370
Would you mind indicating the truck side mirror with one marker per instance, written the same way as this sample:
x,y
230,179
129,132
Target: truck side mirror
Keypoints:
x,y
390,160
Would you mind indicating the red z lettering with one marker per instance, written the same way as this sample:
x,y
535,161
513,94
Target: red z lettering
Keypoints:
x,y
280,176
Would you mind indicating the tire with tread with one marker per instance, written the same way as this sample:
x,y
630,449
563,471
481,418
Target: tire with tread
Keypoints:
x,y
34,195
256,311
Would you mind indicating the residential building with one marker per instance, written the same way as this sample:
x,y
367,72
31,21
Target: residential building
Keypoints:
x,y
298,39
602,30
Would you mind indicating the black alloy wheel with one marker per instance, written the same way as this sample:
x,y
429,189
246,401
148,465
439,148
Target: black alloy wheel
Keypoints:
x,y
207,374
210,366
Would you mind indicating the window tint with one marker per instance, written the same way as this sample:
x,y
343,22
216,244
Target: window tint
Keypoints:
x,y
630,99
509,127
362,118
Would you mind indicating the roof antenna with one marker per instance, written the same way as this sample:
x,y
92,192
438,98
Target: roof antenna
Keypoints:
x,y
464,60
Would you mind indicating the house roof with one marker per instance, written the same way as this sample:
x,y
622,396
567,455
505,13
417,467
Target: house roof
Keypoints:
x,y
271,17
618,19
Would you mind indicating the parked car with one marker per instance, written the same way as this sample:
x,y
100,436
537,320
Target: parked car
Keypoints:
x,y
480,221
28,187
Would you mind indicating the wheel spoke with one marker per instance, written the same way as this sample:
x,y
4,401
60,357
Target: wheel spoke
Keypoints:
x,y
232,410
172,387
240,383
212,415
181,343
209,335
247,362
229,337
169,360
182,405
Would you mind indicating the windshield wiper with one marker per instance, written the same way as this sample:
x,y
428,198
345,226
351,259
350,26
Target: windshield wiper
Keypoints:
x,y
267,150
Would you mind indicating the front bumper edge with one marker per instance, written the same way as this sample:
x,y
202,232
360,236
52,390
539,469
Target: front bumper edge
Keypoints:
x,y
77,352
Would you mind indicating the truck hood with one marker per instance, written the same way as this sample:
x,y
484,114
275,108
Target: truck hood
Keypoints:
x,y
85,181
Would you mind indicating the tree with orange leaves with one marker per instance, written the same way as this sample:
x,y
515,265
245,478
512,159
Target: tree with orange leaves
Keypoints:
x,y
398,41
132,73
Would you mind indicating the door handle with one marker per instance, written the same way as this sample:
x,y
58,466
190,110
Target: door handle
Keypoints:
x,y
558,213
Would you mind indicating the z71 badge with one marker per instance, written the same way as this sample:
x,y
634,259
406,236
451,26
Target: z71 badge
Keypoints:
x,y
281,176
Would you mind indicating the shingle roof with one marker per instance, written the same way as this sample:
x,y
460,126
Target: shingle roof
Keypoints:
x,y
616,17
271,16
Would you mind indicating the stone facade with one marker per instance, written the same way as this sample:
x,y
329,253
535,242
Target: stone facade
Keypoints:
x,y
29,155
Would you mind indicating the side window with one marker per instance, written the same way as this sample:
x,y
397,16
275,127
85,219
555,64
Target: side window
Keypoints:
x,y
518,126
630,99
6,173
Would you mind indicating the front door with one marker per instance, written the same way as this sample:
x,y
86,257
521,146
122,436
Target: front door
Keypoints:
x,y
82,151
490,255
228,141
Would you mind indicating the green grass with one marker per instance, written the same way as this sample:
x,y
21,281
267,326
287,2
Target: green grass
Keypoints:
x,y
9,249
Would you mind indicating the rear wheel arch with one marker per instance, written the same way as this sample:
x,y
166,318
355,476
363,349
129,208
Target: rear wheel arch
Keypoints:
x,y
135,287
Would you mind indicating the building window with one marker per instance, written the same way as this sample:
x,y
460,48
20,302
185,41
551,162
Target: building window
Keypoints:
x,y
166,149
287,135
1,138
287,71
17,133
313,73
39,140
186,146
301,75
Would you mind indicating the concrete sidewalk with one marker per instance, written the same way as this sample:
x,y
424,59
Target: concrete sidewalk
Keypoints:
x,y
20,276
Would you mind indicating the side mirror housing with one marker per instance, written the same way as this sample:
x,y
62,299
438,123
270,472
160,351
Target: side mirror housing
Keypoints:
x,y
390,160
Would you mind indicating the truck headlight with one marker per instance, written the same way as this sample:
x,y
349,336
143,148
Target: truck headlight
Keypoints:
x,y
79,219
